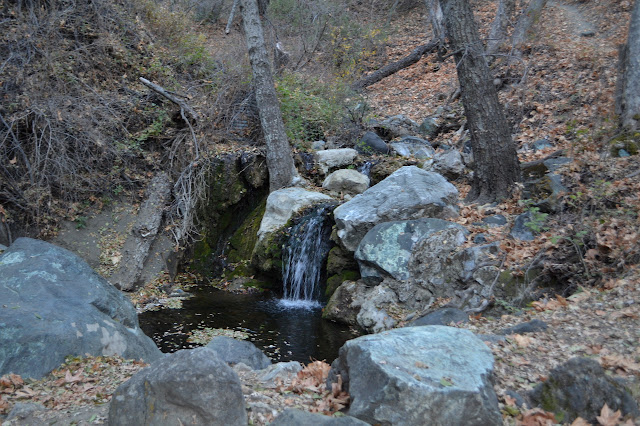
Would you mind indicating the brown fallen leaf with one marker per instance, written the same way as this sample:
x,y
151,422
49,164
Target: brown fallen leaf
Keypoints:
x,y
608,417
522,341
537,417
580,422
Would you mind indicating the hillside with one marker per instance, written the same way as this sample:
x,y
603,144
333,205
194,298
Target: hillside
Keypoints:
x,y
73,102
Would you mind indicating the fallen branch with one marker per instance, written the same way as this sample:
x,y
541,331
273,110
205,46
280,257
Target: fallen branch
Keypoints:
x,y
183,107
182,104
394,67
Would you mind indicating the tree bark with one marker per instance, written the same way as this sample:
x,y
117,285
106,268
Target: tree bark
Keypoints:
x,y
436,18
527,19
136,247
496,168
279,158
628,96
498,33
394,67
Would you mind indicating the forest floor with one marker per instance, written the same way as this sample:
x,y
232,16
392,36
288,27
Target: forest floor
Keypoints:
x,y
566,98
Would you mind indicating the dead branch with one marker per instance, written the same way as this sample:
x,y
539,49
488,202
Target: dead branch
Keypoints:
x,y
183,107
182,104
394,67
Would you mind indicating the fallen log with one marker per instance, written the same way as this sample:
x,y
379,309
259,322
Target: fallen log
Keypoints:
x,y
394,67
144,231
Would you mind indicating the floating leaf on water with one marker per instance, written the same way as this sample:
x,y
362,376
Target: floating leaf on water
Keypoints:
x,y
203,336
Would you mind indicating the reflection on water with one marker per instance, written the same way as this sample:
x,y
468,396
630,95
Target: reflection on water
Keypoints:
x,y
283,331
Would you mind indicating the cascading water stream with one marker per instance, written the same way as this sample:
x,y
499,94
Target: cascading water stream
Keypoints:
x,y
304,257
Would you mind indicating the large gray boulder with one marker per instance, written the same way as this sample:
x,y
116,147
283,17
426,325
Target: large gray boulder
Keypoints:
x,y
468,277
408,193
449,164
333,158
54,305
234,351
346,181
187,387
283,204
432,375
386,249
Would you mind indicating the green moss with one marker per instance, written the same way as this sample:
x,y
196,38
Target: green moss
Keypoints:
x,y
201,251
626,141
336,280
244,240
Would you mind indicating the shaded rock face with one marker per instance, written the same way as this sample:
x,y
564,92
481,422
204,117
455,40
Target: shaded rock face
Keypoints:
x,y
341,307
408,193
466,276
386,249
187,387
419,375
443,316
54,305
411,146
580,388
333,158
346,181
293,417
449,164
234,351
371,143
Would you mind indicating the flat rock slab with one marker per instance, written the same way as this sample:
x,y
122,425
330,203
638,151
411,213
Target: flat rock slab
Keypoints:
x,y
284,203
408,193
54,305
431,375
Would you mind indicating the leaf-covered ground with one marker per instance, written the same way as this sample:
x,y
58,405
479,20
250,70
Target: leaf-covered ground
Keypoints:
x,y
563,93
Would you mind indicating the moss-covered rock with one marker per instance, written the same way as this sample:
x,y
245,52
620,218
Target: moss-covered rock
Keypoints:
x,y
627,141
243,241
334,281
231,196
267,255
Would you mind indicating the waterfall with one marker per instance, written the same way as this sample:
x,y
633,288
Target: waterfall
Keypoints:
x,y
365,168
304,256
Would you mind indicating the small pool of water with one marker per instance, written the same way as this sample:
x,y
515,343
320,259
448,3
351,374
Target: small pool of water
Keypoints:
x,y
284,331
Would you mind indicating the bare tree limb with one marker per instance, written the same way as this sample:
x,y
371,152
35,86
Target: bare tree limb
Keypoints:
x,y
182,104
394,67
232,15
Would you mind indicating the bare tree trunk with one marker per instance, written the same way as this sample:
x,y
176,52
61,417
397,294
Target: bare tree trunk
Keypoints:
x,y
498,33
437,23
628,87
279,158
527,19
394,67
496,168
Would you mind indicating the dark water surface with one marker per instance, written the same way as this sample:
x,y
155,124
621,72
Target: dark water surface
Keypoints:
x,y
284,332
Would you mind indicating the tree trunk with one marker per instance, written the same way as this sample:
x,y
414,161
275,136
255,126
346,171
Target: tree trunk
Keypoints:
x,y
498,33
628,90
279,158
435,15
527,19
394,67
496,168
